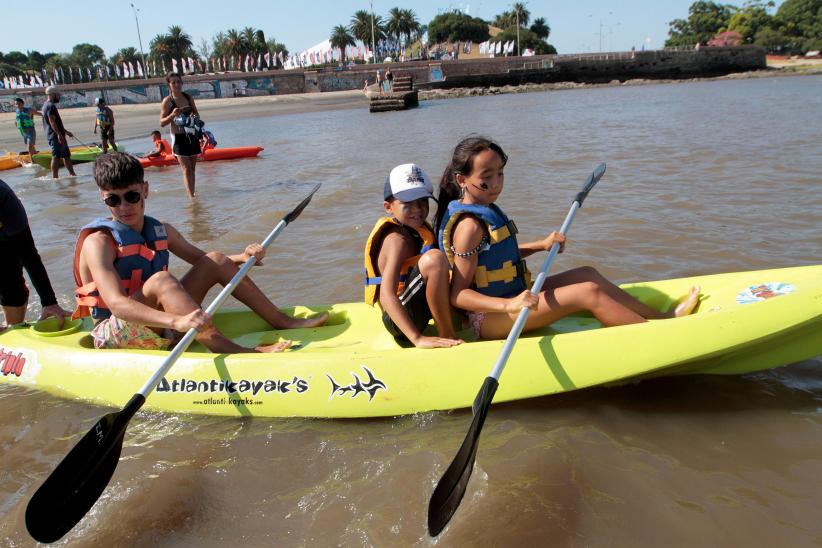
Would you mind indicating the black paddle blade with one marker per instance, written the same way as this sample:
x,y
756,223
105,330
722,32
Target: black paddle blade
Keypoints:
x,y
79,480
451,488
299,209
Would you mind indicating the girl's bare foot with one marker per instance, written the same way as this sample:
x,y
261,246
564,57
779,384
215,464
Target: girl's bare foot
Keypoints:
x,y
276,347
688,304
313,321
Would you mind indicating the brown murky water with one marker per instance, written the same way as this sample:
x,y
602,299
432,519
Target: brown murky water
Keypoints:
x,y
702,178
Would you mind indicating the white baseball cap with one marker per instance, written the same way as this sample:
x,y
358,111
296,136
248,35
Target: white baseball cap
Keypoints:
x,y
407,183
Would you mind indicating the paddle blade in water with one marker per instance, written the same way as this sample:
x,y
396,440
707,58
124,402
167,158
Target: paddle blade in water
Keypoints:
x,y
451,488
79,480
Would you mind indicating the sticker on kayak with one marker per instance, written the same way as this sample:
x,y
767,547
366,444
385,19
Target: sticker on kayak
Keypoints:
x,y
370,386
761,292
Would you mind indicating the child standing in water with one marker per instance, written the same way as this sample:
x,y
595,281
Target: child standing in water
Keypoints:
x,y
489,279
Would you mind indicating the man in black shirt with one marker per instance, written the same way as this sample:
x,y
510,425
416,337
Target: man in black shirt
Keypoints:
x,y
17,246
56,133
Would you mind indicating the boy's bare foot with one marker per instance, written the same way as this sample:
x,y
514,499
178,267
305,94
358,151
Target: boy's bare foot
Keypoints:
x,y
276,347
688,304
299,323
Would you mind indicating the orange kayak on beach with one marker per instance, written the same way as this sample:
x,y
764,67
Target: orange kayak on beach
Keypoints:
x,y
207,156
12,160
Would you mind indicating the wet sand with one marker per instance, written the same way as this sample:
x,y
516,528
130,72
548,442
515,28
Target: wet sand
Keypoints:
x,y
139,120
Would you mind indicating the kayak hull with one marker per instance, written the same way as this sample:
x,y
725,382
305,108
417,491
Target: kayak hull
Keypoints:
x,y
79,155
209,155
353,368
12,160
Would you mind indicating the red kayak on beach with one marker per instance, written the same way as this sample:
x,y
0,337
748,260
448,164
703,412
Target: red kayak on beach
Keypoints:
x,y
208,156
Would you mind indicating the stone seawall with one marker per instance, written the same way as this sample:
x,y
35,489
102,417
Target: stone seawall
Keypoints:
x,y
499,71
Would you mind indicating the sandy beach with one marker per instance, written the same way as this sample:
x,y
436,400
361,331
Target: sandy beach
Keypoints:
x,y
139,120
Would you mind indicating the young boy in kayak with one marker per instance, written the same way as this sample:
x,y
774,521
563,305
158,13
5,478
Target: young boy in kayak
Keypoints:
x,y
161,146
404,274
24,117
121,270
104,119
489,279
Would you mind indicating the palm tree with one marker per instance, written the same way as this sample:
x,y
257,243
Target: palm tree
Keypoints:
x,y
395,27
234,42
179,42
125,55
540,28
360,26
249,36
341,38
524,14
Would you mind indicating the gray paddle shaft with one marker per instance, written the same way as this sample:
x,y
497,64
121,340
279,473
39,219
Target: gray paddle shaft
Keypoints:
x,y
188,338
519,324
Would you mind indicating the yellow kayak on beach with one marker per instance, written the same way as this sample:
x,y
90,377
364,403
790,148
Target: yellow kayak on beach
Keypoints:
x,y
745,322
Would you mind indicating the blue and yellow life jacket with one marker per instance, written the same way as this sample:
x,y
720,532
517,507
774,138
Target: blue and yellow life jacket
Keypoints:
x,y
103,119
24,119
372,251
139,255
501,270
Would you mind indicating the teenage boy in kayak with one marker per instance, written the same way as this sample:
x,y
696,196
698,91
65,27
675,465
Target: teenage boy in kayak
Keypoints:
x,y
121,270
404,274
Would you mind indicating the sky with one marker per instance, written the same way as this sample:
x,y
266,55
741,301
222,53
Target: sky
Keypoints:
x,y
576,26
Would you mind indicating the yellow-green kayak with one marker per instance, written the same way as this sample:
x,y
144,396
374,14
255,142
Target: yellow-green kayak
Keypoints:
x,y
79,155
352,367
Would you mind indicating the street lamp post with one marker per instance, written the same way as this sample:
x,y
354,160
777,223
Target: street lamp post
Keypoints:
x,y
373,40
140,40
518,52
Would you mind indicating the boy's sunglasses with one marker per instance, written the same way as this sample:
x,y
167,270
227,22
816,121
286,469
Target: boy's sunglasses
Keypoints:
x,y
132,197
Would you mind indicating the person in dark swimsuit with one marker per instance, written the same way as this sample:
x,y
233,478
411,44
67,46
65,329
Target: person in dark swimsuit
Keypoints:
x,y
186,145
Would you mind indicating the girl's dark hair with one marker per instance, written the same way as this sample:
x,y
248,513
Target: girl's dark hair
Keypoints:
x,y
462,162
171,75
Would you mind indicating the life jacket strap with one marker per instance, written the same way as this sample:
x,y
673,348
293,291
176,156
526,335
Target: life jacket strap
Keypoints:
x,y
506,274
505,231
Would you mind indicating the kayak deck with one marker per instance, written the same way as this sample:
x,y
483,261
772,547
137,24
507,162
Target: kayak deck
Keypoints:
x,y
352,367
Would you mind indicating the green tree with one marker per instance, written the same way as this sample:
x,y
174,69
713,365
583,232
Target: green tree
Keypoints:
x,y
541,28
801,22
180,42
16,58
521,12
457,26
751,18
235,43
402,23
249,36
86,55
772,40
705,20
125,55
505,20
528,40
341,38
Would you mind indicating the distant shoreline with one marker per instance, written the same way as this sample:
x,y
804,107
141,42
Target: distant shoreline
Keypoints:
x,y
454,93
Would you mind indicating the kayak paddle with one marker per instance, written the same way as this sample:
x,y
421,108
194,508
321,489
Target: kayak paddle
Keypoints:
x,y
79,480
450,489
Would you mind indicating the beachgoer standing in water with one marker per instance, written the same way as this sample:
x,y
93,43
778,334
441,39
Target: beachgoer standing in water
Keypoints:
x,y
24,117
56,133
180,113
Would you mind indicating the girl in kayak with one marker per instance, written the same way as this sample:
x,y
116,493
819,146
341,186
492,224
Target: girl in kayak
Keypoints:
x,y
489,278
